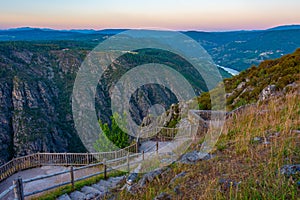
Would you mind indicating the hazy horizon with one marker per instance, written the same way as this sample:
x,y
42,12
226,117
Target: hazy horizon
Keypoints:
x,y
217,15
92,29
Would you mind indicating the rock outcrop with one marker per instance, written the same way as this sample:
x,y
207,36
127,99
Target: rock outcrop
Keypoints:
x,y
35,100
267,92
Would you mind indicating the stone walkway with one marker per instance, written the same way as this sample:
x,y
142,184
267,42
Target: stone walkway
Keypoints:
x,y
44,183
102,188
95,191
163,147
150,146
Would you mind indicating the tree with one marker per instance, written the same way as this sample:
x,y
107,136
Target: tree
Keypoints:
x,y
112,137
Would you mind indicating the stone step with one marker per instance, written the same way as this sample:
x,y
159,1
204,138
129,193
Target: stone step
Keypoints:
x,y
90,192
64,197
114,181
118,179
100,188
77,196
105,183
94,191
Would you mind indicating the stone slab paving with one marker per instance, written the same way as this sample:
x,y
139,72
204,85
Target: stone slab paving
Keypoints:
x,y
95,191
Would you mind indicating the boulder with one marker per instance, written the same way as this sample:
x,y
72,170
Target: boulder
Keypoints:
x,y
150,176
267,92
241,85
131,178
193,157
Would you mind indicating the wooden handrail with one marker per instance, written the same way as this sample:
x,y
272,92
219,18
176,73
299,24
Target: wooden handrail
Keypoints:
x,y
66,159
72,181
76,159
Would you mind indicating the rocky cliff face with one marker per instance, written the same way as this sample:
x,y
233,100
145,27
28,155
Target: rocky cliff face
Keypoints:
x,y
6,134
35,93
36,84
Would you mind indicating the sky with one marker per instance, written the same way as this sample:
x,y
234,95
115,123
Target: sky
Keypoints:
x,y
207,15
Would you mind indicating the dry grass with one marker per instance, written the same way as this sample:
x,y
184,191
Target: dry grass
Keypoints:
x,y
241,159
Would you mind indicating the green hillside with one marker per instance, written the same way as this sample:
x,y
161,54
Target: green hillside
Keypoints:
x,y
246,87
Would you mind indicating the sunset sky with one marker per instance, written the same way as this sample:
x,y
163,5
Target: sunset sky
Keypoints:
x,y
208,15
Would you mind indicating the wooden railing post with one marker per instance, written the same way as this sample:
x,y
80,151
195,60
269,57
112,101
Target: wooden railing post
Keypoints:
x,y
14,166
18,190
105,169
87,158
128,166
72,177
66,159
137,146
143,155
39,159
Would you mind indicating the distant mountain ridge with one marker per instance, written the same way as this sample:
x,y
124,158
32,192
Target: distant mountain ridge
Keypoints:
x,y
118,30
236,50
82,31
285,27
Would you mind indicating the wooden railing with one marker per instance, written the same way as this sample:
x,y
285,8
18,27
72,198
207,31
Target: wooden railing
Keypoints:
x,y
18,184
120,159
163,133
78,159
63,159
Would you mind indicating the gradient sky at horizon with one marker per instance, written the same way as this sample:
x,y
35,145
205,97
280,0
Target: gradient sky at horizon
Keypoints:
x,y
208,15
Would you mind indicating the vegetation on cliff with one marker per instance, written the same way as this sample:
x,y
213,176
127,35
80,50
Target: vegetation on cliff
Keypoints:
x,y
256,142
247,161
246,87
114,133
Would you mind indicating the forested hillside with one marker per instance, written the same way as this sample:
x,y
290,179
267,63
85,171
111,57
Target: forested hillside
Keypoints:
x,y
246,88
